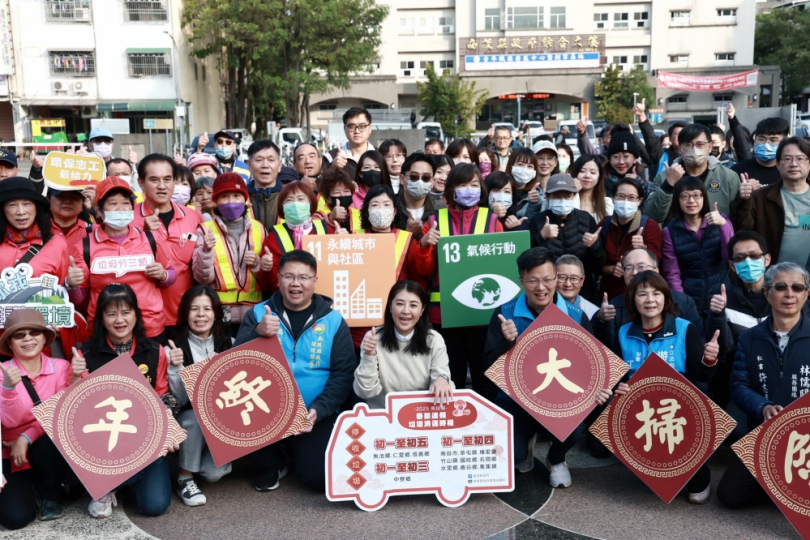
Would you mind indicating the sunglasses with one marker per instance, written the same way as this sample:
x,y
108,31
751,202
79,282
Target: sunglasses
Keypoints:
x,y
416,176
21,335
781,286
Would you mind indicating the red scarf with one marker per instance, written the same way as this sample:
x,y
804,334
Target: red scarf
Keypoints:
x,y
18,237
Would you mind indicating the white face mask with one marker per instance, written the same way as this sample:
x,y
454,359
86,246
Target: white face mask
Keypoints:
x,y
119,219
181,195
625,209
102,149
561,207
523,175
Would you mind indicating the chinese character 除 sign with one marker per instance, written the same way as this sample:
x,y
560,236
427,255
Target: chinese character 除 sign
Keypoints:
x,y
357,272
44,293
416,446
478,274
121,265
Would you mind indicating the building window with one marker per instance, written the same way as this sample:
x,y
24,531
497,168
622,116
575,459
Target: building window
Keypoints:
x,y
374,105
446,66
492,19
203,72
724,57
67,10
327,106
145,10
423,65
406,69
620,20
425,26
676,99
447,25
620,60
680,18
726,12
640,59
600,20
679,59
72,64
196,72
557,17
723,98
642,19
149,64
524,17
406,26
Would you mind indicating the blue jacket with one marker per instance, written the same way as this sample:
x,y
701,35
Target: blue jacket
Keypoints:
x,y
321,358
671,347
764,375
701,264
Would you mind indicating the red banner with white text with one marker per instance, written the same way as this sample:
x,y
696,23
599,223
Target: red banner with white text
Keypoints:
x,y
680,81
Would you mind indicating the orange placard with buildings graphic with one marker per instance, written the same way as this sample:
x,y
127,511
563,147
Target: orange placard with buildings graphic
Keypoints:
x,y
357,272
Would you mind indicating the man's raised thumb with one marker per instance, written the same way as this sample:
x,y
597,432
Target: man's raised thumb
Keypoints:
x,y
605,300
268,310
716,335
501,318
172,346
723,290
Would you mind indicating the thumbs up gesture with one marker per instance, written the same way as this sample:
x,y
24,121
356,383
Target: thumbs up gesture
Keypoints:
x,y
36,161
152,222
715,218
534,196
341,159
202,142
209,240
674,173
338,212
432,236
582,125
606,312
590,239
550,231
269,325
711,350
637,241
11,376
78,365
747,186
175,354
132,155
508,328
75,275
267,260
370,343
180,160
718,302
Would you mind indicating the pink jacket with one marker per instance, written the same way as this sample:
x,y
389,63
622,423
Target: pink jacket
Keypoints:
x,y
52,259
16,404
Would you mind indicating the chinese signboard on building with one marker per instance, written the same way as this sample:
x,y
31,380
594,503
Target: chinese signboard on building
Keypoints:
x,y
416,446
694,83
44,293
532,52
66,172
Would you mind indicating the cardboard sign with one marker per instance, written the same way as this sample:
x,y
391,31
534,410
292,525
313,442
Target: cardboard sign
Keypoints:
x,y
109,426
245,399
777,454
357,272
19,290
415,447
121,265
664,428
478,274
72,172
555,370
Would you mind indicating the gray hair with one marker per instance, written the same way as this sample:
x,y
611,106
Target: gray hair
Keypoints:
x,y
787,268
572,260
204,182
650,253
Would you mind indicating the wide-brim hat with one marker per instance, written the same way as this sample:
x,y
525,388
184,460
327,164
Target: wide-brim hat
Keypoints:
x,y
19,187
24,319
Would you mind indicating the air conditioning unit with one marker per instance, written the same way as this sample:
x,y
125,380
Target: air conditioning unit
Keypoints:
x,y
89,112
59,86
78,87
81,14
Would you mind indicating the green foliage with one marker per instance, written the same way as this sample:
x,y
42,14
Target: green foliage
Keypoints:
x,y
782,39
451,101
614,93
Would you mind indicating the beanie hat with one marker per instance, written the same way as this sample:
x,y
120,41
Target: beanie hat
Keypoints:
x,y
287,175
623,141
228,183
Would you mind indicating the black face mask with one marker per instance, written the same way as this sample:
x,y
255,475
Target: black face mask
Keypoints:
x,y
372,178
345,200
715,151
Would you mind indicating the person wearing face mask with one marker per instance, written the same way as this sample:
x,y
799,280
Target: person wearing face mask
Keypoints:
x,y
466,213
225,149
417,179
565,230
722,184
335,200
762,166
118,236
719,147
565,157
442,165
486,158
531,169
297,209
100,142
501,188
173,225
183,187
229,254
371,171
625,230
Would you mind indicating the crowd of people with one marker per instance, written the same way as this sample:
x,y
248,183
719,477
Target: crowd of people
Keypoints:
x,y
691,245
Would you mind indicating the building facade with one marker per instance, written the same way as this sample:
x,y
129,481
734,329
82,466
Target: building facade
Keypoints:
x,y
552,52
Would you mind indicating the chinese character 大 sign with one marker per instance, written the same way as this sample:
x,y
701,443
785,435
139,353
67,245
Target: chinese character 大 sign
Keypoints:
x,y
44,293
71,172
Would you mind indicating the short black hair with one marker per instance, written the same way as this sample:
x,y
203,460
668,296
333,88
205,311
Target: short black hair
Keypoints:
x,y
356,111
635,182
503,128
440,160
772,126
262,144
387,144
534,257
692,132
301,145
298,256
803,145
155,158
743,236
689,183
717,130
121,160
415,158
431,142
673,126
543,137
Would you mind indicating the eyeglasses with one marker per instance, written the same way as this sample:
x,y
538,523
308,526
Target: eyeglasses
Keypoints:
x,y
224,142
290,278
770,140
391,157
742,256
691,197
801,160
21,335
700,145
357,127
575,280
623,197
533,283
423,177
638,268
781,286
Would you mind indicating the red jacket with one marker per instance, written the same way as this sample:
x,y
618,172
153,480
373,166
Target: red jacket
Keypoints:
x,y
179,242
268,281
617,244
75,234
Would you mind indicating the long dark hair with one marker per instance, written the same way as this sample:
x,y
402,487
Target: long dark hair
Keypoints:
x,y
463,173
377,158
42,220
115,295
455,148
418,344
219,331
524,155
598,191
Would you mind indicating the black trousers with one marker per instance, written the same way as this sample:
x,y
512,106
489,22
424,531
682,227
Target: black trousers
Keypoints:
x,y
738,488
307,450
465,346
18,499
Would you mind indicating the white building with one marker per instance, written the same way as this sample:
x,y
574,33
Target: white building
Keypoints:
x,y
81,59
708,37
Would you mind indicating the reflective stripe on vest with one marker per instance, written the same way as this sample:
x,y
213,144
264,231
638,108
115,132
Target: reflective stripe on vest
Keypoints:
x,y
355,222
241,171
250,293
286,240
481,222
401,248
138,197
323,208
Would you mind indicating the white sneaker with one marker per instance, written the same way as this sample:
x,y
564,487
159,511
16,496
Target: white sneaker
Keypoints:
x,y
560,477
702,497
103,508
190,493
528,464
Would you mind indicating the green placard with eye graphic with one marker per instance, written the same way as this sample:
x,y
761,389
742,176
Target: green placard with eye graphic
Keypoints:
x,y
478,273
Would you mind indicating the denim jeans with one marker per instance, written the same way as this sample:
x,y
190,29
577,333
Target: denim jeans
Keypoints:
x,y
153,488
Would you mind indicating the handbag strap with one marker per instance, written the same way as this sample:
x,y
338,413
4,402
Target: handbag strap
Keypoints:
x,y
31,391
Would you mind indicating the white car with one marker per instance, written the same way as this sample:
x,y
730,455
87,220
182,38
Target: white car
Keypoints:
x,y
535,129
571,139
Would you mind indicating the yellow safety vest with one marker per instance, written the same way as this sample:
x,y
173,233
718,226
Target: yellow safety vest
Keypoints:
x,y
286,241
323,208
229,292
481,221
401,248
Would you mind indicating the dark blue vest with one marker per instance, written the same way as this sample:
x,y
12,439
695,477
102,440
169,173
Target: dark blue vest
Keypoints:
x,y
702,267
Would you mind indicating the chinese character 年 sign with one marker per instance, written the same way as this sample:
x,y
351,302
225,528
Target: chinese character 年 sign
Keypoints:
x,y
664,428
778,455
478,274
245,399
44,293
109,426
555,370
356,272
415,446
71,172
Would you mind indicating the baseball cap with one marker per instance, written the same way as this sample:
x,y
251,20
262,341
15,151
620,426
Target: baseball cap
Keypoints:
x,y
201,158
561,182
225,133
8,157
100,132
539,146
57,192
110,183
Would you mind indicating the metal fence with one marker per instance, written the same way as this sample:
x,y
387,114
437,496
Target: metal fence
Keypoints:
x,y
72,64
145,10
67,10
149,64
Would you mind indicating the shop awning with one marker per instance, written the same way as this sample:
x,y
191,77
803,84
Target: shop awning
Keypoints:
x,y
148,51
145,105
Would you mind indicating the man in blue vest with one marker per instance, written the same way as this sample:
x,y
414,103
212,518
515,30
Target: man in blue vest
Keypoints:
x,y
304,321
538,278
